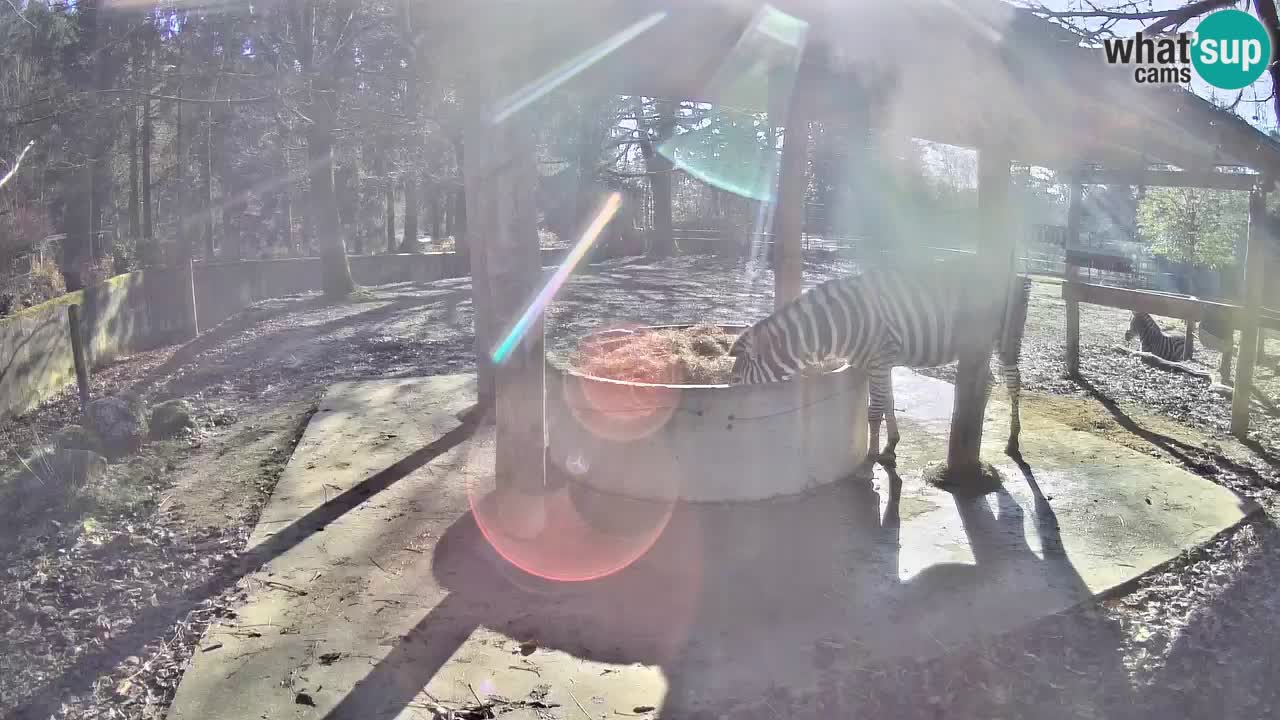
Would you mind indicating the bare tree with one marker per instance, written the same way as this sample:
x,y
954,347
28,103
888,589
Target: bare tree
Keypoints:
x,y
1101,19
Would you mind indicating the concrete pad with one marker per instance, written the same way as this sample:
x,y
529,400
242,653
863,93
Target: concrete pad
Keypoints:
x,y
408,607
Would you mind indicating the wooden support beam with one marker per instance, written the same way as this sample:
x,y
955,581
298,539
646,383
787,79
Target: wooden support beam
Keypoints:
x,y
1174,178
982,312
78,355
501,174
788,214
1229,344
1151,302
1072,242
475,247
1255,260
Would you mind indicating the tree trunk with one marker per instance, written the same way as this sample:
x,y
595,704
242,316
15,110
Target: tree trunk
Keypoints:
x,y
77,196
437,217
458,218
305,244
206,186
77,209
148,232
409,241
348,203
100,200
135,218
336,271
180,172
458,198
186,251
660,179
284,231
389,215
285,220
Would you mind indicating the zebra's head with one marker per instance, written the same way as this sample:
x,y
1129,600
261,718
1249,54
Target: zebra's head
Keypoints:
x,y
1135,327
743,367
752,362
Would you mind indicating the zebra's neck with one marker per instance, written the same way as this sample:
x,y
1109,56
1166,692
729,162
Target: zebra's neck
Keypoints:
x,y
823,323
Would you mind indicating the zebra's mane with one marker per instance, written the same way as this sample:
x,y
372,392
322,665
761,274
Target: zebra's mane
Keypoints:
x,y
747,338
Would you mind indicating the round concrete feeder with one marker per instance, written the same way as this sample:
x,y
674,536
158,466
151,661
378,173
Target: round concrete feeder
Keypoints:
x,y
704,443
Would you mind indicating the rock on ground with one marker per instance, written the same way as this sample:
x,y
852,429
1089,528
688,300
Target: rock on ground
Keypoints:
x,y
76,437
170,418
119,425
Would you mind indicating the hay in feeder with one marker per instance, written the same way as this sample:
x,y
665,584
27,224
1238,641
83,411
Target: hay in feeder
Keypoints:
x,y
697,355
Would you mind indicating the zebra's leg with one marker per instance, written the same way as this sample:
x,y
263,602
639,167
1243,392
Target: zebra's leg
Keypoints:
x,y
889,458
1013,382
877,380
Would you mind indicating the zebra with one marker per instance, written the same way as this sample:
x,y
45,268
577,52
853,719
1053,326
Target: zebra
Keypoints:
x,y
1154,340
875,322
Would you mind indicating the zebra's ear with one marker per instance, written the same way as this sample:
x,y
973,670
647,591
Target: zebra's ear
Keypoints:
x,y
738,346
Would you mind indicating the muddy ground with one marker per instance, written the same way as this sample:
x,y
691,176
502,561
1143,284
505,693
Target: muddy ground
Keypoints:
x,y
105,594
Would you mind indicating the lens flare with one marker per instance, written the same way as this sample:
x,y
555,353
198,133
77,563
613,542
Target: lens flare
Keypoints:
x,y
544,297
570,534
530,93
619,411
735,149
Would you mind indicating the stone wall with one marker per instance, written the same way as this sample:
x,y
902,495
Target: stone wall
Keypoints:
x,y
136,311
118,318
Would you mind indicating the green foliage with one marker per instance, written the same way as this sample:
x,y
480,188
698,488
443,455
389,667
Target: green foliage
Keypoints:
x,y
1195,226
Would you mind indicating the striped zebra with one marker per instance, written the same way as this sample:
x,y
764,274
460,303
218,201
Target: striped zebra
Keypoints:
x,y
876,322
1154,340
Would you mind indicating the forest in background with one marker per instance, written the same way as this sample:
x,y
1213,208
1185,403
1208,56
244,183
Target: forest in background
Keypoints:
x,y
163,131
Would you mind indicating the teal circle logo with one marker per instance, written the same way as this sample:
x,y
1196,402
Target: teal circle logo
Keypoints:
x,y
1231,49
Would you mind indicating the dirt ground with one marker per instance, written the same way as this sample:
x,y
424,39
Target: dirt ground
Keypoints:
x,y
104,597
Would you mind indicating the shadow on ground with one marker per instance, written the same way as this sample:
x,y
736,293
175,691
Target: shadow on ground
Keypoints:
x,y
788,608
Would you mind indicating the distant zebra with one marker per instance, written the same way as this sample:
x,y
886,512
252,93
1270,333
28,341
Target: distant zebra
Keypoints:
x,y
1154,340
876,322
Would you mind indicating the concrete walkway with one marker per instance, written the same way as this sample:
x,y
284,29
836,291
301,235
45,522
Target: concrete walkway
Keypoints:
x,y
375,595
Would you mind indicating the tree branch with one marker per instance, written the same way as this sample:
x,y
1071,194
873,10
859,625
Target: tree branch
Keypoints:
x,y
198,101
16,164
20,15
1181,15
1267,11
1164,19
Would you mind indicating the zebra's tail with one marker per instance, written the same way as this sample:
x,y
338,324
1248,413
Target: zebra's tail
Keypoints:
x,y
1015,322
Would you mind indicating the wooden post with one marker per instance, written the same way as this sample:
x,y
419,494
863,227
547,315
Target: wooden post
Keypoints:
x,y
1255,260
1189,346
788,217
982,311
501,174
1229,342
1072,275
77,352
